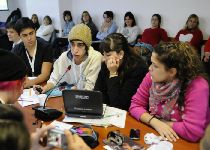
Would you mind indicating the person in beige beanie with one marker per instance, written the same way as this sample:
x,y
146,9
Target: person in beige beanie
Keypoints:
x,y
84,60
81,32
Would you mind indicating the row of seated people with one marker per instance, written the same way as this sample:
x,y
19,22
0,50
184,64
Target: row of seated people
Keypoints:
x,y
153,35
168,92
12,125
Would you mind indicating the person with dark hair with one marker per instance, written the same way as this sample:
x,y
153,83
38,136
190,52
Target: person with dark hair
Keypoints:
x,y
191,33
14,16
108,26
12,33
121,73
14,134
130,30
173,98
12,78
68,25
84,60
36,52
61,43
86,19
46,29
35,21
155,34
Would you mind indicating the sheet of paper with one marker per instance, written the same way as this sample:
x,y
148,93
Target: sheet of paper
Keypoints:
x,y
61,125
116,116
112,116
28,98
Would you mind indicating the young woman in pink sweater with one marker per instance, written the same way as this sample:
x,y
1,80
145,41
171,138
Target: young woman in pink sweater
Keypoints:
x,y
173,98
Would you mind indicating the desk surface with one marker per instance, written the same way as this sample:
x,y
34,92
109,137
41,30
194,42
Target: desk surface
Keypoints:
x,y
130,123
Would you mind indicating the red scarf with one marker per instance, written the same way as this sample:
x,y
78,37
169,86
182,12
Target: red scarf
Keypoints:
x,y
167,93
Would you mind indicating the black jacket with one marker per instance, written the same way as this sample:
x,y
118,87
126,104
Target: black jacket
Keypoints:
x,y
117,91
44,54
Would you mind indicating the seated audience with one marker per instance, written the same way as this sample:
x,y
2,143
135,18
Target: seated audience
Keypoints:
x,y
155,34
84,60
36,52
12,33
121,73
130,30
68,25
14,134
35,21
191,32
108,26
173,98
86,19
46,29
61,44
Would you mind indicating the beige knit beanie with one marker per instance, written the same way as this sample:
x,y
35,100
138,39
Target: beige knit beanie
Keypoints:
x,y
81,32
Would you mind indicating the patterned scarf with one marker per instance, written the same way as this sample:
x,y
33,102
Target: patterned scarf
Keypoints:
x,y
165,94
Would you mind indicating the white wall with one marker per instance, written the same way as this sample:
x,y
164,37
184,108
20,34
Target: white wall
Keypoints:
x,y
43,8
174,13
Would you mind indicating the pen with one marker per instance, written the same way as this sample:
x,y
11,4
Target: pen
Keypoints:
x,y
30,92
112,115
25,100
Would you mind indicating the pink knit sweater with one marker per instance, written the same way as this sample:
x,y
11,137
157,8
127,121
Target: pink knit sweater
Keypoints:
x,y
194,117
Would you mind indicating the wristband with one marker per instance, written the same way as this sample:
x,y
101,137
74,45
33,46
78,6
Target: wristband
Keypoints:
x,y
151,119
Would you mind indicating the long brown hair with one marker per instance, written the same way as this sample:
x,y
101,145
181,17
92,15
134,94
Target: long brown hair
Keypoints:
x,y
117,42
192,16
185,59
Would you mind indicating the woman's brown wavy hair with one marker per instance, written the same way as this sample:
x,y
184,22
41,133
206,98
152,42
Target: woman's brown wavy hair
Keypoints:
x,y
185,59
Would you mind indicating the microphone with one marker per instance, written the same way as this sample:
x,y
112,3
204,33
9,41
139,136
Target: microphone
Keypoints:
x,y
47,114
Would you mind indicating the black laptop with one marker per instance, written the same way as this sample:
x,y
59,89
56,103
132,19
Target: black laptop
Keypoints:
x,y
83,103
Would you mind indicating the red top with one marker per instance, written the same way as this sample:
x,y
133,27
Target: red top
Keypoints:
x,y
154,36
207,46
194,37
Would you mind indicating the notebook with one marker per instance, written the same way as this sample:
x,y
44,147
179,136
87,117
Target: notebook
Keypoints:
x,y
83,103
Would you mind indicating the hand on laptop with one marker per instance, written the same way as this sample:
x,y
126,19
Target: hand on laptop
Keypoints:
x,y
75,142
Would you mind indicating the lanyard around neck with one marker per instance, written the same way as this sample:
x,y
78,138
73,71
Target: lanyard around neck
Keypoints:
x,y
31,62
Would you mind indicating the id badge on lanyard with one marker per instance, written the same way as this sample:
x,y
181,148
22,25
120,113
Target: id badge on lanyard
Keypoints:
x,y
31,62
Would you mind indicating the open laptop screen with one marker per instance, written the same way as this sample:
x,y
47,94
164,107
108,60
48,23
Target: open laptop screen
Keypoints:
x,y
83,103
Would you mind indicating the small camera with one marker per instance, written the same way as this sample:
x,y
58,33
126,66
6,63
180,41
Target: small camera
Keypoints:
x,y
57,138
116,137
